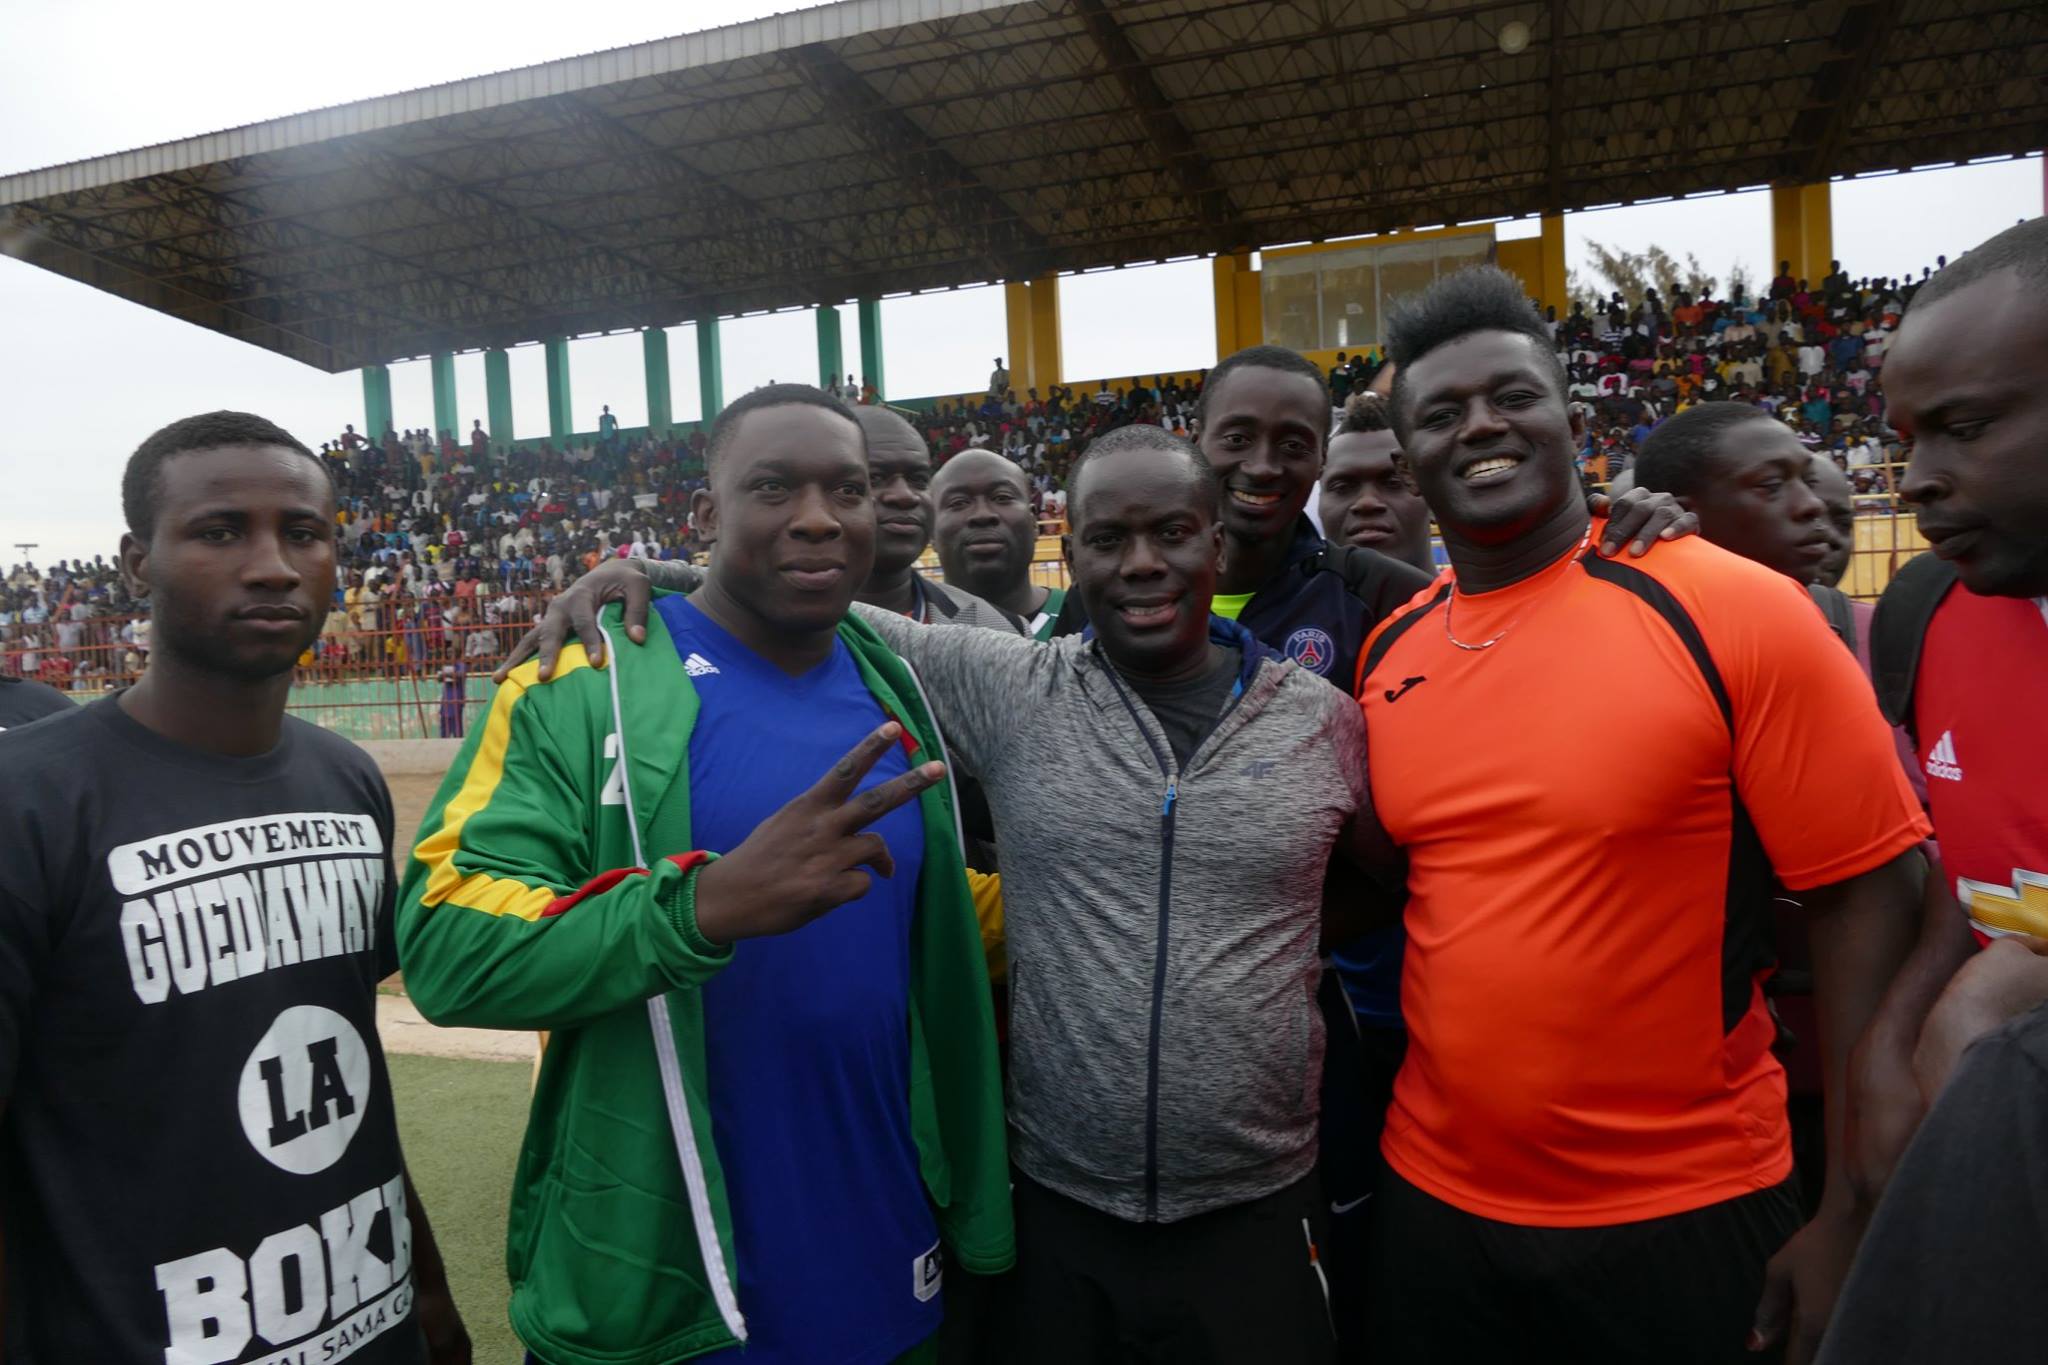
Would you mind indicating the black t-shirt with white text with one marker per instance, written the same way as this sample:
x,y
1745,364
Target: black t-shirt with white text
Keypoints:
x,y
199,1161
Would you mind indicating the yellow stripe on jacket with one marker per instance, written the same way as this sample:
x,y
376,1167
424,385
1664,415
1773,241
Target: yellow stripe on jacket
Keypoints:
x,y
479,891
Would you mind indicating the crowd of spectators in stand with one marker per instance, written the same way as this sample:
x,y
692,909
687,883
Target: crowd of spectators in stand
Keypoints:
x,y
72,625
1044,433
1809,353
449,548
446,552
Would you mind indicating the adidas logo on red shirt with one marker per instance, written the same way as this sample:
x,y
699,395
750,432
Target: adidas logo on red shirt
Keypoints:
x,y
1942,762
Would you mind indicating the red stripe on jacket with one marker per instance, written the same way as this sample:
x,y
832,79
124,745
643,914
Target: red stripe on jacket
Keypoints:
x,y
604,882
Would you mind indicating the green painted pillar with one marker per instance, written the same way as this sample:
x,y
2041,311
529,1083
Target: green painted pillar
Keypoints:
x,y
654,351
561,415
447,413
831,351
498,396
376,402
871,346
710,368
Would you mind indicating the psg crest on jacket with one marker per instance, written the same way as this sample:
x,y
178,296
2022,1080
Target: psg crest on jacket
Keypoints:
x,y
1313,649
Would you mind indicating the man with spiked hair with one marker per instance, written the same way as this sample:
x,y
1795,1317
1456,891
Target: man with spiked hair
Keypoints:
x,y
1588,1153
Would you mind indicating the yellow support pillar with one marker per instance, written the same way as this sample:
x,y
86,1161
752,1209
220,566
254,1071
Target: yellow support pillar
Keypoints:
x,y
1223,272
1240,312
1046,365
1555,294
1538,262
1803,230
1017,314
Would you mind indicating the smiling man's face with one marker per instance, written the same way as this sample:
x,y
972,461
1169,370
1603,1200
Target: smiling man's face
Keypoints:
x,y
1486,431
1262,433
1145,552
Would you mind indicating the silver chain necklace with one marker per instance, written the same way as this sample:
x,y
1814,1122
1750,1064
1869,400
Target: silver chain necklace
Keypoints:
x,y
1572,558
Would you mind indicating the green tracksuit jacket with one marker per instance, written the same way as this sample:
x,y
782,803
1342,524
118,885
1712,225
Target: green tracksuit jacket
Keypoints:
x,y
551,889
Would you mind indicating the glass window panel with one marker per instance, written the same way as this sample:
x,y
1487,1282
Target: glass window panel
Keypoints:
x,y
1455,253
1406,268
1288,291
1350,306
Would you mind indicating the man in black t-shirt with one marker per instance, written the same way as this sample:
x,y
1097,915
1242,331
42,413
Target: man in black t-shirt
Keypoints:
x,y
24,699
198,1157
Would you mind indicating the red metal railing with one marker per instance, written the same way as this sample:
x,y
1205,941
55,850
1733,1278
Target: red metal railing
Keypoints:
x,y
390,671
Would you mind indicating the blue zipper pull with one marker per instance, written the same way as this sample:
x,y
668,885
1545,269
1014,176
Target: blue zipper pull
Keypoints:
x,y
1167,809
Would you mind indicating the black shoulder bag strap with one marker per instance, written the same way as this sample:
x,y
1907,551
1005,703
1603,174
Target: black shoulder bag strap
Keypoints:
x,y
1383,583
1899,628
1834,605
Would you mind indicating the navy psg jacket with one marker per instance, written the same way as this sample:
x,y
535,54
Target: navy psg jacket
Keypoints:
x,y
1325,600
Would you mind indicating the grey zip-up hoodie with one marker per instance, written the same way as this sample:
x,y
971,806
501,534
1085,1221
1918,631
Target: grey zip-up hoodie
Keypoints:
x,y
957,607
1165,1047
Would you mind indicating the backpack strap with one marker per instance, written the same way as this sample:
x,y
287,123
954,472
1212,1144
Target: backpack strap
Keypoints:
x,y
1899,628
1834,604
1343,561
1383,583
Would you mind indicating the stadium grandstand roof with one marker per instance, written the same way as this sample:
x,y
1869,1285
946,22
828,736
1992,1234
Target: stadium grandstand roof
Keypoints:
x,y
880,146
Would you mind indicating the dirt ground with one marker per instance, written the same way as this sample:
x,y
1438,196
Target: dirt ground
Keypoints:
x,y
410,795
403,1030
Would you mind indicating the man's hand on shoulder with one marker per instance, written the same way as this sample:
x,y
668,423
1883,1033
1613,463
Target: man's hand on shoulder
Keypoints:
x,y
1638,517
807,858
576,609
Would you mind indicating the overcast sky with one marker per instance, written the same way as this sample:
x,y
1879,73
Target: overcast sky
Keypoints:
x,y
86,376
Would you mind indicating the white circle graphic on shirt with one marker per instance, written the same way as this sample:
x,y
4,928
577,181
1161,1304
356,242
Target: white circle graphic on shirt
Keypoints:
x,y
304,1089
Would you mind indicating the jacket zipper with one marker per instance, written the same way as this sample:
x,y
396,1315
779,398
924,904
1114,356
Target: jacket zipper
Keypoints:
x,y
1166,770
1159,946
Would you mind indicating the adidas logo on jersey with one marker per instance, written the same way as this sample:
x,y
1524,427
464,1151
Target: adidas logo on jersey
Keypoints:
x,y
1942,762
697,666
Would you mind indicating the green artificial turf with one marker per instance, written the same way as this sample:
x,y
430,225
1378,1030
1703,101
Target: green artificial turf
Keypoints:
x,y
461,1122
